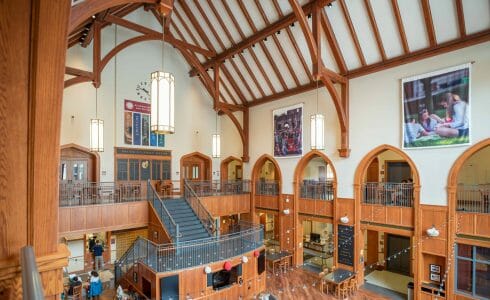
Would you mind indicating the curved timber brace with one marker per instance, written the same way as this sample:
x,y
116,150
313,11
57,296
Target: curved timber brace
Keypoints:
x,y
320,72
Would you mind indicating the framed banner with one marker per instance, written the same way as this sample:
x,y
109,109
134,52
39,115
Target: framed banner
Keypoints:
x,y
288,131
137,125
436,109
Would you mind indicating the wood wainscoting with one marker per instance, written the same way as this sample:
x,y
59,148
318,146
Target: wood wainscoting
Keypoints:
x,y
389,215
316,207
267,201
473,224
226,205
104,217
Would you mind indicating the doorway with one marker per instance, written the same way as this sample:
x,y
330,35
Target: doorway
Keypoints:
x,y
397,263
195,167
78,165
396,171
231,169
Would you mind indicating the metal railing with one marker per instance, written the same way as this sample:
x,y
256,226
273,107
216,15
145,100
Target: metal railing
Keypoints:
x,y
92,193
206,188
171,257
473,198
388,193
314,189
201,212
170,225
267,187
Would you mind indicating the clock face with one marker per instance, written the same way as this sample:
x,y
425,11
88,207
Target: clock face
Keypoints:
x,y
143,90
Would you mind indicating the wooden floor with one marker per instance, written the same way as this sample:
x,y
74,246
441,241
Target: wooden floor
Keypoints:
x,y
295,284
300,284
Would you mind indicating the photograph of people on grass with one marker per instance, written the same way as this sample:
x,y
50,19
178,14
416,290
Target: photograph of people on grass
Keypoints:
x,y
436,109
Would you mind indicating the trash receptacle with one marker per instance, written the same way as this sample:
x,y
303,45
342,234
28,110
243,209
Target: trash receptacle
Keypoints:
x,y
410,291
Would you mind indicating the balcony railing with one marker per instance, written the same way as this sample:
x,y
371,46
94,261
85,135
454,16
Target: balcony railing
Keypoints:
x,y
388,193
91,193
267,187
170,257
219,188
473,198
313,189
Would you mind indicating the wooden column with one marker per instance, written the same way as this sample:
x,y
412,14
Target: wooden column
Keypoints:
x,y
33,41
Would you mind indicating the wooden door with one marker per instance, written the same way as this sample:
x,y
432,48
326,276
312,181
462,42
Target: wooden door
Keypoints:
x,y
193,171
75,170
372,247
400,263
372,173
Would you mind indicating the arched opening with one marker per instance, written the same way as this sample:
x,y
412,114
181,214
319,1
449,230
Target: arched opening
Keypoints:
x,y
387,200
266,192
469,209
231,169
195,167
78,164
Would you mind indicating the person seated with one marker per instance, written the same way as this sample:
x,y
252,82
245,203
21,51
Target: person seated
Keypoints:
x,y
95,288
413,131
74,281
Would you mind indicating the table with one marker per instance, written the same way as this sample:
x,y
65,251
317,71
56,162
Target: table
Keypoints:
x,y
275,258
336,277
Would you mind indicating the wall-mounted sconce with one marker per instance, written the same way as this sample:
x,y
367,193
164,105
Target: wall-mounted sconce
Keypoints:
x,y
344,219
287,200
244,259
207,269
433,232
286,211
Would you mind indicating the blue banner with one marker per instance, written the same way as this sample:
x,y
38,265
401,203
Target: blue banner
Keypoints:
x,y
153,139
136,129
161,140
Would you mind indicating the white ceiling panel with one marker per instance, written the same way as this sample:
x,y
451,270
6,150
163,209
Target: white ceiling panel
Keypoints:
x,y
227,20
327,55
300,38
445,20
268,68
414,24
240,18
186,20
232,93
365,34
239,82
256,72
200,20
280,63
476,15
243,70
388,29
293,58
344,38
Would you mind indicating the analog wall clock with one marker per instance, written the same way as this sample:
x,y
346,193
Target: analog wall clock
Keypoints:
x,y
143,90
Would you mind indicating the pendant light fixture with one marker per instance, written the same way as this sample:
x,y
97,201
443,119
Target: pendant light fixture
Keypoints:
x,y
317,127
96,129
216,141
162,96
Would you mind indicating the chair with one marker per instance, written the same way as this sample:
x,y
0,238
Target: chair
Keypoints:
x,y
343,290
352,286
77,293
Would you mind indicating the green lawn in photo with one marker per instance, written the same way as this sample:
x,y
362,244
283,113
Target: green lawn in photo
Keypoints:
x,y
438,142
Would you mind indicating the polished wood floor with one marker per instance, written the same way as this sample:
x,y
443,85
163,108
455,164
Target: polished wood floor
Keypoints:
x,y
300,284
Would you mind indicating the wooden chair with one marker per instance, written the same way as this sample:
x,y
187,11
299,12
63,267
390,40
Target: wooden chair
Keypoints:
x,y
77,293
343,290
352,286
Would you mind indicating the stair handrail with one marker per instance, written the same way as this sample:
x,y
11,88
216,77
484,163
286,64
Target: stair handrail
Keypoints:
x,y
153,195
199,209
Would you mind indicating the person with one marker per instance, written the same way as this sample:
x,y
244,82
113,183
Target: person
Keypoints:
x,y
448,98
427,121
413,131
95,288
74,281
91,243
459,124
99,260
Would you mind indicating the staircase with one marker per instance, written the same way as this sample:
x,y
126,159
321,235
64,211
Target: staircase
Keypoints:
x,y
190,227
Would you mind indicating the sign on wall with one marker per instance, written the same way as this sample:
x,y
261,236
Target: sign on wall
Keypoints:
x,y
345,236
288,131
137,125
436,108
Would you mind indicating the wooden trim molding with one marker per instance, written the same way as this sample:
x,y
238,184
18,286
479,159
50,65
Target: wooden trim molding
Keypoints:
x,y
224,166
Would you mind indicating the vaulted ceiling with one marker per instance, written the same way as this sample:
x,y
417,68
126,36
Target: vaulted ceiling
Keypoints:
x,y
262,52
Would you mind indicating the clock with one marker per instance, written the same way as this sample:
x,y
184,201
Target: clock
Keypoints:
x,y
143,90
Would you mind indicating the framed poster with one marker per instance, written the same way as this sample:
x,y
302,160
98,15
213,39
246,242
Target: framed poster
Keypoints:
x,y
137,122
435,269
288,131
435,277
436,109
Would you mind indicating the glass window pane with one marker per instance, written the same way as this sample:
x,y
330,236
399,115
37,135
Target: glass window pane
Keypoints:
x,y
166,172
63,171
81,172
75,171
483,254
155,172
122,169
465,280
482,280
145,170
134,169
465,251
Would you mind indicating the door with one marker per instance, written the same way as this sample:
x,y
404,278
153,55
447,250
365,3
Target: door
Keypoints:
x,y
400,263
397,171
74,171
193,171
372,173
372,247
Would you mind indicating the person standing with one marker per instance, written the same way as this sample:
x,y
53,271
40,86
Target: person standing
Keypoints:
x,y
99,259
95,288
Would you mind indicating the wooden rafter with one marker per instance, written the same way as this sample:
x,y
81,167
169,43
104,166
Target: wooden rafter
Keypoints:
x,y
230,38
334,45
261,43
291,38
375,28
399,23
260,35
274,37
429,24
460,14
291,92
345,12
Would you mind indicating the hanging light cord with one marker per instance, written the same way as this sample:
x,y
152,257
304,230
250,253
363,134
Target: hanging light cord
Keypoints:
x,y
163,42
96,101
115,83
317,96
216,123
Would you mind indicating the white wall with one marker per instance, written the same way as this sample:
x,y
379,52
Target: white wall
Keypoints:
x,y
194,114
375,119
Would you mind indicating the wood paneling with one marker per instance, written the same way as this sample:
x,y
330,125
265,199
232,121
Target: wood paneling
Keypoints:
x,y
107,217
389,215
227,204
316,207
345,207
434,215
266,201
156,229
473,224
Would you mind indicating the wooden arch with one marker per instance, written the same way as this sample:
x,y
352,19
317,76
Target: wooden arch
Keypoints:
x,y
451,199
303,162
416,236
224,166
258,165
199,155
82,149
